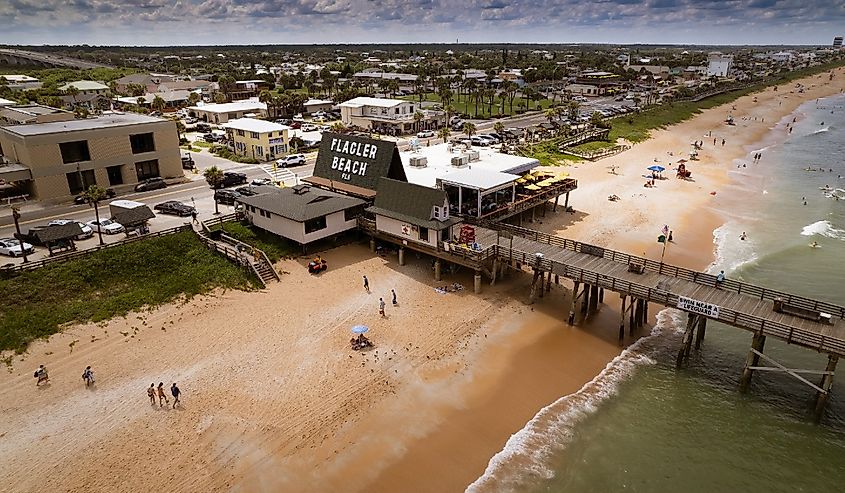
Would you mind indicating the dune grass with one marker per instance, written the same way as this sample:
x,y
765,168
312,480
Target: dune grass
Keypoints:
x,y
110,283
273,245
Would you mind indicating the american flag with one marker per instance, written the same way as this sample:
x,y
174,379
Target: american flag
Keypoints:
x,y
665,229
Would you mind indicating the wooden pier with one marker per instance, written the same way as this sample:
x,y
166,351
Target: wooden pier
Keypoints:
x,y
800,321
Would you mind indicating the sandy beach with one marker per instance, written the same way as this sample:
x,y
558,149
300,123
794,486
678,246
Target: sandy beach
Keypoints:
x,y
274,400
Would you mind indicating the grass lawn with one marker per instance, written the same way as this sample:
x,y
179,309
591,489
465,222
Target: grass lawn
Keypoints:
x,y
110,283
461,104
202,143
274,246
548,154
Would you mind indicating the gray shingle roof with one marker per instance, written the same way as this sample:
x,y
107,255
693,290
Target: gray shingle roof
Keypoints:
x,y
410,203
57,232
358,161
135,216
300,203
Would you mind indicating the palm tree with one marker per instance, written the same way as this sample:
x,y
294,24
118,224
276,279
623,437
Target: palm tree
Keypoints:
x,y
93,195
72,91
499,127
180,128
338,127
266,97
469,129
444,133
214,177
550,114
418,117
393,87
573,107
158,103
219,98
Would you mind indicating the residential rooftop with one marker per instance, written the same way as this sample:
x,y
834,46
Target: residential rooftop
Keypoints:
x,y
85,85
107,120
255,125
234,106
299,203
368,101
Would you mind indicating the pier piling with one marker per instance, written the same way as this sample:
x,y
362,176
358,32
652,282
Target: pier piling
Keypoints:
x,y
683,353
699,335
477,282
574,303
401,256
437,270
622,319
825,384
757,343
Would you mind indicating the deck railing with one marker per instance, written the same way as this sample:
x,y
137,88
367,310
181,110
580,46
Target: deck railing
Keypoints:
x,y
673,270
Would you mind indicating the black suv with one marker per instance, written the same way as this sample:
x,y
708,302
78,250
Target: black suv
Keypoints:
x,y
203,127
232,178
150,184
226,196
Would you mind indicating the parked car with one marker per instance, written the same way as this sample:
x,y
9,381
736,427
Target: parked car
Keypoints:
x,y
107,226
319,114
150,184
294,125
174,207
80,199
425,134
292,160
308,127
209,137
226,196
494,139
190,121
246,191
232,178
203,127
261,181
14,248
478,141
458,126
87,232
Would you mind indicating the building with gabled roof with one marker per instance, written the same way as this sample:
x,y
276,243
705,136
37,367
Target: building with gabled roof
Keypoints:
x,y
86,87
303,214
413,212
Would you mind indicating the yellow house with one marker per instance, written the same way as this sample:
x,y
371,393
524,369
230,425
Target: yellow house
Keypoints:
x,y
259,139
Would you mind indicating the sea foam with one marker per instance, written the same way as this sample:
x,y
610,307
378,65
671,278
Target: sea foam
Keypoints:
x,y
526,456
823,228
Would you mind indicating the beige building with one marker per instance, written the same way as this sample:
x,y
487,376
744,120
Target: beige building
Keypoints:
x,y
389,116
223,112
57,160
259,139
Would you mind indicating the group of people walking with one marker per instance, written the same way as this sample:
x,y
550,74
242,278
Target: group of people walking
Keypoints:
x,y
159,392
381,303
43,377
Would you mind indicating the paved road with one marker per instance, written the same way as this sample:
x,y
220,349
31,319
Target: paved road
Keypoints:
x,y
53,59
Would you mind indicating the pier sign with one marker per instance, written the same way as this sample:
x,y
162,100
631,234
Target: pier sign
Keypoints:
x,y
698,307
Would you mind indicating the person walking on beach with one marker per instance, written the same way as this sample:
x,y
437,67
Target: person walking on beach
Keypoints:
x,y
714,140
723,142
151,393
366,284
174,390
381,307
393,292
41,375
162,395
88,376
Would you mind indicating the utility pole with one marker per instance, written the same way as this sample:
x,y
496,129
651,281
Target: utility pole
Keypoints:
x,y
16,215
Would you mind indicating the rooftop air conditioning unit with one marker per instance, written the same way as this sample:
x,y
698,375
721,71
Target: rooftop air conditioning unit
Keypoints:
x,y
473,155
461,160
418,161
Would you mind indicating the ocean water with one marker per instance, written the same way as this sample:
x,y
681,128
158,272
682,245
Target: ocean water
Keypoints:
x,y
643,426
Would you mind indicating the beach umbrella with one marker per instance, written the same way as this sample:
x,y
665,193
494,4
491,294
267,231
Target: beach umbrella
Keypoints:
x,y
360,329
657,168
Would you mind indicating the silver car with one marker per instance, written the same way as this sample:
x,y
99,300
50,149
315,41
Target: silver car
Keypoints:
x,y
107,226
12,247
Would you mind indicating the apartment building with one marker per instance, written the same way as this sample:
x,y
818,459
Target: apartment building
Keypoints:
x,y
56,160
258,139
389,116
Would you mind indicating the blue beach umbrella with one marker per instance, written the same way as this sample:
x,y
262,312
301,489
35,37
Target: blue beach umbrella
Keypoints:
x,y
657,168
360,329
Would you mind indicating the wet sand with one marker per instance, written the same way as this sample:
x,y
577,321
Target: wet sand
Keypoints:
x,y
275,401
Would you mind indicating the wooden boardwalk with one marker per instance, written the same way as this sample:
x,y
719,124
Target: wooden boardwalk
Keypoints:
x,y
740,305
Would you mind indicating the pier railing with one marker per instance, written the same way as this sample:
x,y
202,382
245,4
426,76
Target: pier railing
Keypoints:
x,y
789,334
673,270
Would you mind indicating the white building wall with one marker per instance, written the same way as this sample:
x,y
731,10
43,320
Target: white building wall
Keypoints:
x,y
719,66
335,223
279,225
405,230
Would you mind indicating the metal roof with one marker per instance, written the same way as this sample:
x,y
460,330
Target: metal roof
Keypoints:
x,y
410,203
368,101
255,125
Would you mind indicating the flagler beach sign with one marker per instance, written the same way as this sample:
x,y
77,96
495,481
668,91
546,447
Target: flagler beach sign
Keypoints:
x,y
698,307
351,158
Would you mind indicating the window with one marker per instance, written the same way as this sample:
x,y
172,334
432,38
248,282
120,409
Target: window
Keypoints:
x,y
254,135
74,152
423,234
78,181
315,224
147,169
259,150
115,176
241,133
142,143
436,212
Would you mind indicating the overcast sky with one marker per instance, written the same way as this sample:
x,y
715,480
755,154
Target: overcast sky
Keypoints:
x,y
209,22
